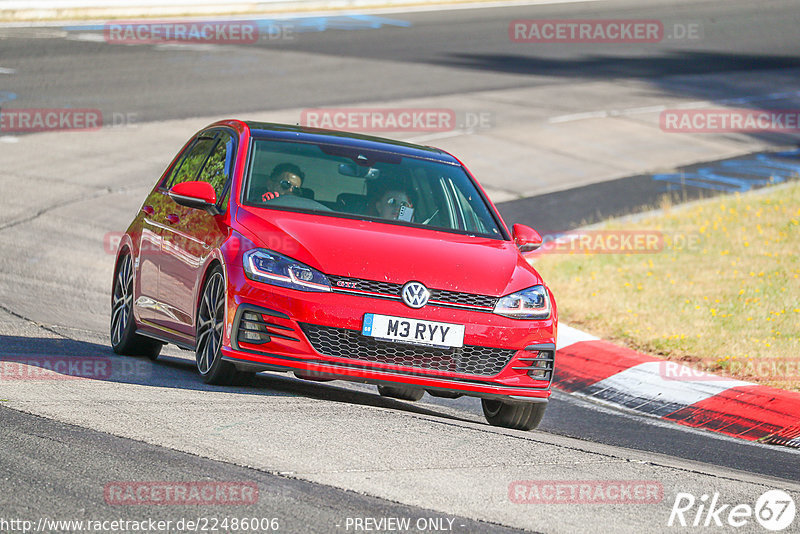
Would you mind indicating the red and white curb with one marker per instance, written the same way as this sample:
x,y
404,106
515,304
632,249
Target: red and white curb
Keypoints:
x,y
592,367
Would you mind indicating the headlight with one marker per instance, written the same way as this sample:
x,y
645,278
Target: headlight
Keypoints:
x,y
270,267
531,303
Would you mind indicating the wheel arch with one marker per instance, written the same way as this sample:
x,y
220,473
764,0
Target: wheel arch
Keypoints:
x,y
213,261
125,246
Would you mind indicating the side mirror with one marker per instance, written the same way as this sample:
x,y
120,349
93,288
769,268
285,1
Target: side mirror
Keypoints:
x,y
526,238
199,195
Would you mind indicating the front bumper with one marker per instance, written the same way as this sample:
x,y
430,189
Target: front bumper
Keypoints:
x,y
318,335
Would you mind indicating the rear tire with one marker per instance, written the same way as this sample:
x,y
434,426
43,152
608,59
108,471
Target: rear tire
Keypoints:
x,y
517,415
208,340
122,328
402,393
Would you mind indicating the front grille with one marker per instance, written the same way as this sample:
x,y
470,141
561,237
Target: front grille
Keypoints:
x,y
391,290
344,343
466,299
359,284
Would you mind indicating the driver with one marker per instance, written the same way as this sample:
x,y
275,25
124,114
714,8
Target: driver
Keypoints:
x,y
389,204
391,200
285,179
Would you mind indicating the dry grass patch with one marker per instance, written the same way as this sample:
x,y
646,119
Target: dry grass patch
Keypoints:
x,y
728,302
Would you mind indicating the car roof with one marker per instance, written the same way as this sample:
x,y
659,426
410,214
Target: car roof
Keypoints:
x,y
267,130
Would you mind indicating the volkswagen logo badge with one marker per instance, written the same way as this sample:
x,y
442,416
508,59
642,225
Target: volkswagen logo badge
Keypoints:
x,y
415,295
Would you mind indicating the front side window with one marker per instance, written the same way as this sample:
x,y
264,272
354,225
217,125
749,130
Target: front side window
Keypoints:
x,y
189,167
350,182
218,165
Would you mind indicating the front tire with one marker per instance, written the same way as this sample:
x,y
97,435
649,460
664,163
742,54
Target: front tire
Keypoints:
x,y
400,392
517,415
124,339
210,322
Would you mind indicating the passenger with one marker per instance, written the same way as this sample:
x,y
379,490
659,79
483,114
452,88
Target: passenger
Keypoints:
x,y
285,179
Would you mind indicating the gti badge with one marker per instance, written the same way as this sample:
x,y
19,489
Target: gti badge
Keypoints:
x,y
415,295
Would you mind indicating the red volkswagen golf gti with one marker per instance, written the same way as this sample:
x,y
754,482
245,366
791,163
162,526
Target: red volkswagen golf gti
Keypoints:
x,y
332,255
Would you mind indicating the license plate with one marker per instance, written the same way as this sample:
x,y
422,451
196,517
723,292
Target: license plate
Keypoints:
x,y
413,330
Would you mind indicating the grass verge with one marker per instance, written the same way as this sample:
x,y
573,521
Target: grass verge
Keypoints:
x,y
720,292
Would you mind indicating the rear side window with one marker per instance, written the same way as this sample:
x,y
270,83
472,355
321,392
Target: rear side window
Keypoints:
x,y
188,169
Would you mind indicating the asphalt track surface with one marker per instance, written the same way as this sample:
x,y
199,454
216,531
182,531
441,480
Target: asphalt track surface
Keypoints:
x,y
408,55
75,464
435,53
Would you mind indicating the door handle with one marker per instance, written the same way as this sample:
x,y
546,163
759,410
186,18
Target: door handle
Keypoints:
x,y
172,218
148,210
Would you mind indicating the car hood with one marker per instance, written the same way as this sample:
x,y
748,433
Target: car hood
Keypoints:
x,y
373,250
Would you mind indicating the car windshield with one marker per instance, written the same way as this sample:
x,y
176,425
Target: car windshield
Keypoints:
x,y
351,182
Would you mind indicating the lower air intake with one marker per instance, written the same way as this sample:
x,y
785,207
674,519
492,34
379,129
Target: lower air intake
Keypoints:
x,y
344,343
